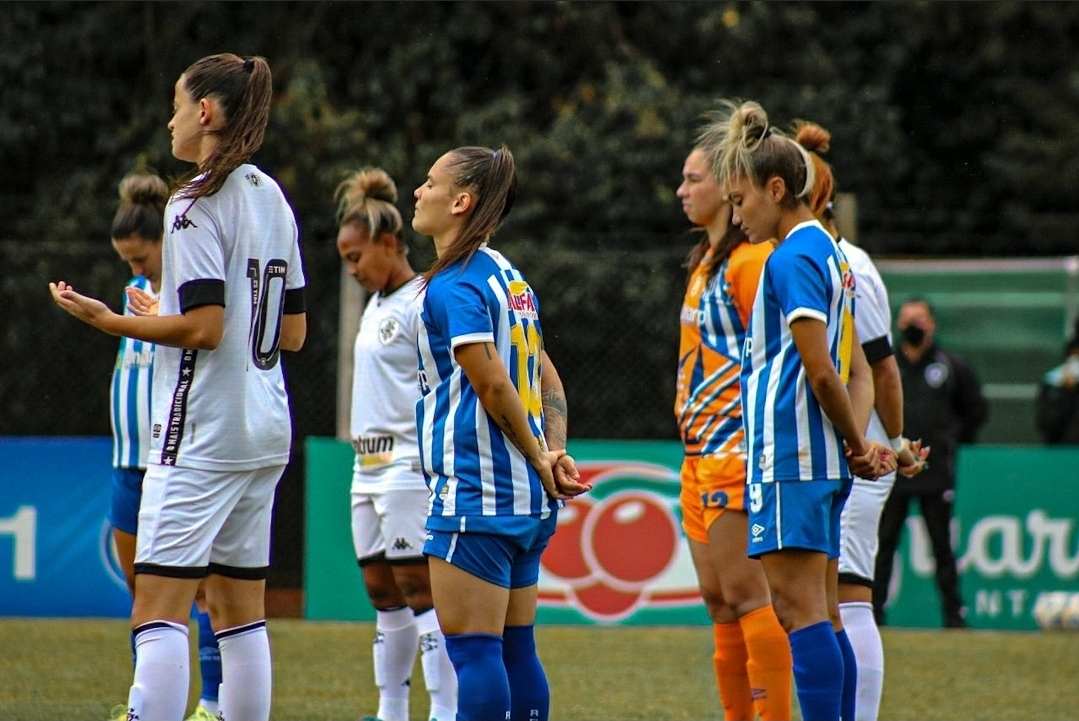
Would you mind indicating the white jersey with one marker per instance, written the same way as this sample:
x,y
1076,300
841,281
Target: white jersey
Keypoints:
x,y
227,409
860,519
872,317
385,388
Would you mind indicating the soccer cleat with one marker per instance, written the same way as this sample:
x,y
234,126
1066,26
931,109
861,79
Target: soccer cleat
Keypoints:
x,y
202,714
118,712
370,718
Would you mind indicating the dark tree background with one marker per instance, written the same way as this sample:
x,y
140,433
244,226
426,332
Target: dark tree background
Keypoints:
x,y
956,125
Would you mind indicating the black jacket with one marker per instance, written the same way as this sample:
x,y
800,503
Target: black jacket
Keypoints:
x,y
943,406
1057,408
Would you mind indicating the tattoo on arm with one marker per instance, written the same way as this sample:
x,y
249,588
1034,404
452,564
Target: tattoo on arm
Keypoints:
x,y
555,414
519,443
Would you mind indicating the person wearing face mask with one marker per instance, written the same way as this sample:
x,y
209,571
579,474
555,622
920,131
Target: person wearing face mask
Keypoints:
x,y
944,407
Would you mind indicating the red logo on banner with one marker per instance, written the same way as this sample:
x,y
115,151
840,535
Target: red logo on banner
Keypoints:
x,y
615,548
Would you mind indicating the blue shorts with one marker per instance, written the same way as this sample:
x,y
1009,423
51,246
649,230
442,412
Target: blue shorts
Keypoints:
x,y
795,514
509,560
126,498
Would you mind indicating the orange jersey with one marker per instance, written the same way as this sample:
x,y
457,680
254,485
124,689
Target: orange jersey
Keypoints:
x,y
714,318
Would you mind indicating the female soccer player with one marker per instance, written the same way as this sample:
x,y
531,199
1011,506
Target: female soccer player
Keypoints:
x,y
231,300
752,657
389,497
137,230
491,421
806,396
864,654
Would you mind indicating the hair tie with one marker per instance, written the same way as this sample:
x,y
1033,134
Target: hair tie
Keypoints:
x,y
249,64
811,171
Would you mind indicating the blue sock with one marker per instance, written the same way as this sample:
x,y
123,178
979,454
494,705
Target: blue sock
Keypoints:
x,y
530,695
209,659
818,671
850,676
483,690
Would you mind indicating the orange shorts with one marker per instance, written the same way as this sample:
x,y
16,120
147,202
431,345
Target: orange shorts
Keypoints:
x,y
710,486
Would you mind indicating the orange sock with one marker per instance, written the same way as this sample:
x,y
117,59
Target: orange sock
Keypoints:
x,y
730,663
770,665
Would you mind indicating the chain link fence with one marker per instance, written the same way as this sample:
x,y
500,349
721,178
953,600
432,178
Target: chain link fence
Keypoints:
x,y
610,325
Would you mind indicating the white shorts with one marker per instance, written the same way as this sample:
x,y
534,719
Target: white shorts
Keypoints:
x,y
195,521
858,526
391,522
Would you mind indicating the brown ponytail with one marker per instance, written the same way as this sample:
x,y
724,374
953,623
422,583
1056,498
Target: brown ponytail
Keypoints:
x,y
244,89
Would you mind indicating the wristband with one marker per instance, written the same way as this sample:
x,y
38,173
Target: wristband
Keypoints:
x,y
897,443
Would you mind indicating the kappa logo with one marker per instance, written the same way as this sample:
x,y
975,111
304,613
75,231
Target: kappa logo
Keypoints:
x,y
428,643
758,531
254,179
401,544
181,222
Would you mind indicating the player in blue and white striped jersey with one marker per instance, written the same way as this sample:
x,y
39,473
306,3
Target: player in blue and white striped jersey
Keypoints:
x,y
491,423
806,394
137,229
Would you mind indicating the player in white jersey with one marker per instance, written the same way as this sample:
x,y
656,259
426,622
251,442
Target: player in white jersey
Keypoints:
x,y
389,496
862,509
861,513
491,422
806,396
137,230
231,300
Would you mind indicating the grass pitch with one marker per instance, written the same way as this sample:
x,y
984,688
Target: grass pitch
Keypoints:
x,y
77,669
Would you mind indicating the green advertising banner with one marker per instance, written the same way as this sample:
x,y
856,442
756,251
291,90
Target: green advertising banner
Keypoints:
x,y
1016,536
333,587
619,556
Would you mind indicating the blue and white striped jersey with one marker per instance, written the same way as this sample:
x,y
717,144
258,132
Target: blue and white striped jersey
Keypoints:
x,y
789,436
129,411
472,469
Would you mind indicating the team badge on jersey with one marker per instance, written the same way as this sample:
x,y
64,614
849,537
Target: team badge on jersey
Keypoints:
x,y
387,330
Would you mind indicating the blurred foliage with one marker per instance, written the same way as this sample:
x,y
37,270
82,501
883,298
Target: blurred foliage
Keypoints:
x,y
956,125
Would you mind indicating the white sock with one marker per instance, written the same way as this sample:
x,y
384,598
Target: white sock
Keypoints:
x,y
162,665
245,689
394,648
438,673
209,705
864,636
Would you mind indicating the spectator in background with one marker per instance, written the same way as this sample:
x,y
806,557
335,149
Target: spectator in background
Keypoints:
x,y
1058,398
943,406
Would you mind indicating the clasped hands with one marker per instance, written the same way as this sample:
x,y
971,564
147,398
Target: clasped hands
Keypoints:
x,y
561,478
880,460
